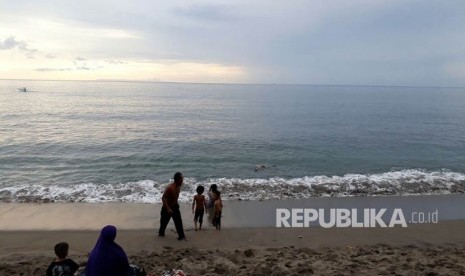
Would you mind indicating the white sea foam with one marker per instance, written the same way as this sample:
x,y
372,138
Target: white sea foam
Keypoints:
x,y
404,182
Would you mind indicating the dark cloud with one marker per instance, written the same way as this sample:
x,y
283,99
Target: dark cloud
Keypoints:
x,y
11,43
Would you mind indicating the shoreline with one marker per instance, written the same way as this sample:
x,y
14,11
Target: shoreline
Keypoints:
x,y
236,214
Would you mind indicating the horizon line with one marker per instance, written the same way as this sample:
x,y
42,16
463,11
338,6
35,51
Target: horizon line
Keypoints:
x,y
232,83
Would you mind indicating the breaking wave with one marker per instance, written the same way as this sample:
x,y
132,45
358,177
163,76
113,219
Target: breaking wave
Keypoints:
x,y
403,182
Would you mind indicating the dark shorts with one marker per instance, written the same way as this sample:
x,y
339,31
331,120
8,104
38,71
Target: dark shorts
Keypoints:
x,y
198,216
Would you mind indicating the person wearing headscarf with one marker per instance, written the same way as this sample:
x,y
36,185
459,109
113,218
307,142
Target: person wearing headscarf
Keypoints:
x,y
107,258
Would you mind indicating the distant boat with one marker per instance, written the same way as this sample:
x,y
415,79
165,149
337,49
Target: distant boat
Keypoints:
x,y
23,89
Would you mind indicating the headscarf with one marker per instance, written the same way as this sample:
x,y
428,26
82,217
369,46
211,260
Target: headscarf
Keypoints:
x,y
107,257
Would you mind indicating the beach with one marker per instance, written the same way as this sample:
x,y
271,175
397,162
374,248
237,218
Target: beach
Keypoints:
x,y
241,248
420,250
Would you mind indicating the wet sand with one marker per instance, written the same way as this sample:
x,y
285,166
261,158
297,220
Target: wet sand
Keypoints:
x,y
236,214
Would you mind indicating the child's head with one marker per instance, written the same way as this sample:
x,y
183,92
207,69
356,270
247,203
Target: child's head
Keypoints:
x,y
200,189
217,193
213,188
61,250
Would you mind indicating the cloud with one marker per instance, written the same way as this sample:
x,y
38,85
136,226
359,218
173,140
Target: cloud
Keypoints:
x,y
303,41
206,12
11,43
80,61
81,64
50,56
46,69
115,61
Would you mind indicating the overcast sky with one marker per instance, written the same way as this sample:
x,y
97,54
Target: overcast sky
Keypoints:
x,y
355,42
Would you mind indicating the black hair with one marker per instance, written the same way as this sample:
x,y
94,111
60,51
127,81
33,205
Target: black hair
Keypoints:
x,y
61,250
200,189
217,193
213,188
177,176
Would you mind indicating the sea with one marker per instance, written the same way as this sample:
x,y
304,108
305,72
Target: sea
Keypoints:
x,y
102,141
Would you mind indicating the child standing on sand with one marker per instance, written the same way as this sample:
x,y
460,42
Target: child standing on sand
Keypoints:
x,y
62,266
198,207
211,202
218,208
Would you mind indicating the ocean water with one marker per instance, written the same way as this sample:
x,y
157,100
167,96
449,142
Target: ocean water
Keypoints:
x,y
72,141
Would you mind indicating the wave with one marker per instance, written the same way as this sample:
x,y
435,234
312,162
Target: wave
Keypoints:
x,y
403,182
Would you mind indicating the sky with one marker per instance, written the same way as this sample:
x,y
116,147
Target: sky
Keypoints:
x,y
331,42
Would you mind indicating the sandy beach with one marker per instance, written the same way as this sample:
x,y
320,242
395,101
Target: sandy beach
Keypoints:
x,y
437,249
256,248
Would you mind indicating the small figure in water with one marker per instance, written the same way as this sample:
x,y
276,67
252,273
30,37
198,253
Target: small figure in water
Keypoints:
x,y
262,166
